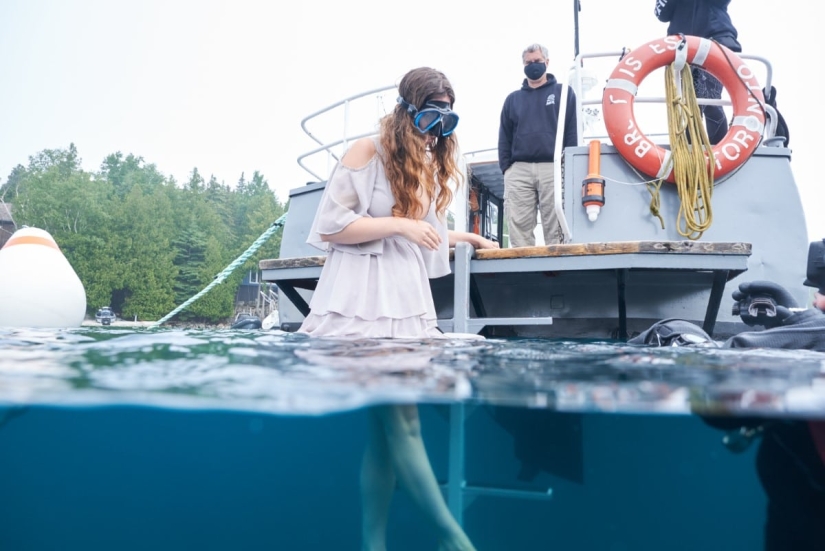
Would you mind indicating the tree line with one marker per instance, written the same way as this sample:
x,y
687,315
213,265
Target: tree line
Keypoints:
x,y
140,241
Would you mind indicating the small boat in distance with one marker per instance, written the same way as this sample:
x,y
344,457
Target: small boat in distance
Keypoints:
x,y
105,316
624,269
246,321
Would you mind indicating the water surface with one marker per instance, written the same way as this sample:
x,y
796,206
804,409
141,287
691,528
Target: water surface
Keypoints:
x,y
133,439
291,374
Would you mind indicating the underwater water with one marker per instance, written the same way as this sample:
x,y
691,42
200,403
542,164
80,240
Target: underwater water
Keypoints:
x,y
126,439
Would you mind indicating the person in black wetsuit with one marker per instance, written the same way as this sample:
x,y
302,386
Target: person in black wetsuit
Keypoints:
x,y
790,461
706,19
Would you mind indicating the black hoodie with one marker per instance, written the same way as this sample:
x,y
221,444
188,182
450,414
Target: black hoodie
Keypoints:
x,y
529,120
705,18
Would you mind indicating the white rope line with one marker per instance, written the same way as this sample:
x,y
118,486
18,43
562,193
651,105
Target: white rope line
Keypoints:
x,y
718,182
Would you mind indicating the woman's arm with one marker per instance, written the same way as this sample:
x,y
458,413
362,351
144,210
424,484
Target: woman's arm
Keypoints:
x,y
369,229
473,239
366,228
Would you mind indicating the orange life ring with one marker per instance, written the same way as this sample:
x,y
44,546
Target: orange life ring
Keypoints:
x,y
744,134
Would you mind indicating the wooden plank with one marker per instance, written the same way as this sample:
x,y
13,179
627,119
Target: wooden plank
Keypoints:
x,y
298,262
571,249
618,247
301,262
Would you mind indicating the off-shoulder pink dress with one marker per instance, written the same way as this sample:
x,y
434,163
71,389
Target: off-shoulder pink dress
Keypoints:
x,y
379,288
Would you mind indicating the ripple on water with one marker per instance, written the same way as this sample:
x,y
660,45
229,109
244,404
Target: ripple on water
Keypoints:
x,y
285,373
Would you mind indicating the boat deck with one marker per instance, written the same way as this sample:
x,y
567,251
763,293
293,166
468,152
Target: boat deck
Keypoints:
x,y
709,264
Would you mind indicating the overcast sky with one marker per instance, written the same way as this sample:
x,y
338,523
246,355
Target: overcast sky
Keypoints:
x,y
223,86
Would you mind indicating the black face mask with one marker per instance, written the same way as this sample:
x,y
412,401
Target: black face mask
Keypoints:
x,y
535,70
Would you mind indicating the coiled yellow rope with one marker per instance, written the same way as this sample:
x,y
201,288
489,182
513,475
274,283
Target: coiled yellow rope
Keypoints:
x,y
692,170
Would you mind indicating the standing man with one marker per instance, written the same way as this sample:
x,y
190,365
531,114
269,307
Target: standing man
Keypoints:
x,y
707,19
526,144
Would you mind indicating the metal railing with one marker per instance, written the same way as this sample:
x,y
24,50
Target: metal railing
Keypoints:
x,y
328,147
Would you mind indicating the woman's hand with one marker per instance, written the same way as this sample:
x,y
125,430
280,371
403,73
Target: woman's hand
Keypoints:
x,y
419,232
482,243
473,239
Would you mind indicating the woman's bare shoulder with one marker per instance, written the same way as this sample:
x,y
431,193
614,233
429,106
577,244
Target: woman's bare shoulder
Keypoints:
x,y
359,154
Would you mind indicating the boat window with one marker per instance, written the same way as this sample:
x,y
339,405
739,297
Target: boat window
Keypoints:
x,y
492,219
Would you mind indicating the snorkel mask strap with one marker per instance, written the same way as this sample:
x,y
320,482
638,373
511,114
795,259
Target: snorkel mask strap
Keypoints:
x,y
408,106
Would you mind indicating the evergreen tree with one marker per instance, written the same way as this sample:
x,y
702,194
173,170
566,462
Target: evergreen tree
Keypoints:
x,y
195,183
190,253
125,172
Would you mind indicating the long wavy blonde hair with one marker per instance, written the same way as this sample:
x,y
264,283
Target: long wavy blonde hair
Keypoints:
x,y
416,174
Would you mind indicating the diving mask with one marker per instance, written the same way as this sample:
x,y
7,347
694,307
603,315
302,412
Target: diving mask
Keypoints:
x,y
436,117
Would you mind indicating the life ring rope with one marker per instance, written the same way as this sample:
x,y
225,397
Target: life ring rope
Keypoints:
x,y
693,171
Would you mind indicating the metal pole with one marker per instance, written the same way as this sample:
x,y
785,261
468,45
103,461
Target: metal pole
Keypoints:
x,y
577,7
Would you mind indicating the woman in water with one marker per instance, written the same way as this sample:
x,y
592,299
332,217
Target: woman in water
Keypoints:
x,y
382,221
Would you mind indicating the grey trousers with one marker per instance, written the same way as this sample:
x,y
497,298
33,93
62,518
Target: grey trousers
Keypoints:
x,y
528,190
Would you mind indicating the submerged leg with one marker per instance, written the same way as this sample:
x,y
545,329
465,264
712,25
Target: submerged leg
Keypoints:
x,y
377,486
411,465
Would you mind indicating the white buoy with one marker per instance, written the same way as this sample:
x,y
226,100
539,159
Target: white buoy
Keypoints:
x,y
38,286
272,320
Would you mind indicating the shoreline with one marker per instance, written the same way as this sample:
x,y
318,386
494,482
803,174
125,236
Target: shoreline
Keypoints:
x,y
143,324
270,321
118,323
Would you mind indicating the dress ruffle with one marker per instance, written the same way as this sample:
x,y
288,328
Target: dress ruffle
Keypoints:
x,y
353,193
391,285
336,325
346,198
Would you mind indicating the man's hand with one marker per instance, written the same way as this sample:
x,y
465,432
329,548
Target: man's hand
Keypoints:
x,y
763,303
